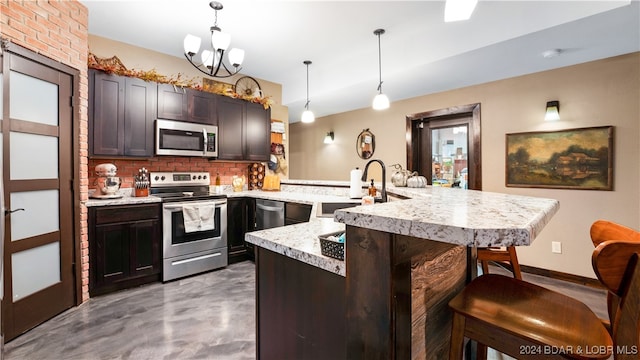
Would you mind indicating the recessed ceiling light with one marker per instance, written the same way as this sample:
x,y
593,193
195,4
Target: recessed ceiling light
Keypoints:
x,y
551,53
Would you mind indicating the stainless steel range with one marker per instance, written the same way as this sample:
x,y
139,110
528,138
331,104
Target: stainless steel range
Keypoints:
x,y
200,243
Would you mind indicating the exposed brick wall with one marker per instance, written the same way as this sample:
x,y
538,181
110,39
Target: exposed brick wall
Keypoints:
x,y
58,30
128,168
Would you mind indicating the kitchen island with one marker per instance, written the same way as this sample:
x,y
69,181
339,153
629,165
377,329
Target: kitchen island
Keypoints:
x,y
404,261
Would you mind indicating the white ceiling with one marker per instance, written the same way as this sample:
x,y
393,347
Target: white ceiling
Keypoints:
x,y
421,54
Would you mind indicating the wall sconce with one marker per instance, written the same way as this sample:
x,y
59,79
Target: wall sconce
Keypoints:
x,y
553,111
328,139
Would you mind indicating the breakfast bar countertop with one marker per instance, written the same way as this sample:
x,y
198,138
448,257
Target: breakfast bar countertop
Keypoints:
x,y
464,217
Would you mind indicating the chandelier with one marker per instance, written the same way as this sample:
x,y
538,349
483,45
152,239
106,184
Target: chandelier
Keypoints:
x,y
212,60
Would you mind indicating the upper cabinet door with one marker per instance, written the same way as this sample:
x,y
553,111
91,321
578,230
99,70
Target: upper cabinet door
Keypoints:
x,y
258,133
202,107
106,116
139,115
231,141
172,102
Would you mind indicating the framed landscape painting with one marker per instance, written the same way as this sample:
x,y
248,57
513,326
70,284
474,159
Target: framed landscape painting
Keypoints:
x,y
566,159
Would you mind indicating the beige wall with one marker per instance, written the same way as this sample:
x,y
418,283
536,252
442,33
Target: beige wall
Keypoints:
x,y
604,92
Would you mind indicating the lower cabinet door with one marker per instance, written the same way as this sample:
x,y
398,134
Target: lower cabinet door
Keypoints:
x,y
112,254
144,248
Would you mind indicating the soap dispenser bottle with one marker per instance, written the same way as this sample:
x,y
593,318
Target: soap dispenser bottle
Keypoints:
x,y
372,189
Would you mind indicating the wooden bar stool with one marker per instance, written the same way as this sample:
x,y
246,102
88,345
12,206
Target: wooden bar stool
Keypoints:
x,y
524,320
604,230
503,256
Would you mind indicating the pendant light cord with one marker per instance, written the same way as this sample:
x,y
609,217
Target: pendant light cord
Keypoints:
x,y
307,62
379,32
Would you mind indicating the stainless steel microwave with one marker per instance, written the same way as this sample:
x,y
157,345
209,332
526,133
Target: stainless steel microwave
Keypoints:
x,y
186,139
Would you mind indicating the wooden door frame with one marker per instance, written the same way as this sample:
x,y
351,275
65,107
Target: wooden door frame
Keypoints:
x,y
413,138
16,50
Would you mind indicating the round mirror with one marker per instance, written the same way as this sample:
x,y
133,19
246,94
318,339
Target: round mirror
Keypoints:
x,y
365,144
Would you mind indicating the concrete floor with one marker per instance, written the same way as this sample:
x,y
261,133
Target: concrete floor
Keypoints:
x,y
208,316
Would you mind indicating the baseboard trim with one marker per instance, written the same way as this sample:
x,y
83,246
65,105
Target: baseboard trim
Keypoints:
x,y
582,280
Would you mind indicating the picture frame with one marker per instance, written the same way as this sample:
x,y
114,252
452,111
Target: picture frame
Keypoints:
x,y
580,159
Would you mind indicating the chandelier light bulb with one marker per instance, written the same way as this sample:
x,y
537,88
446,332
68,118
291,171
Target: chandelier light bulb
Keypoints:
x,y
191,44
220,40
236,57
207,58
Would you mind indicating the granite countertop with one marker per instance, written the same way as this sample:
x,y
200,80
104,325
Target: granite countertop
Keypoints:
x,y
126,198
465,217
300,242
309,198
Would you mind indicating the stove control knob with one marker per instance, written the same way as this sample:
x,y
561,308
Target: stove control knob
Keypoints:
x,y
194,177
162,178
204,177
199,177
156,178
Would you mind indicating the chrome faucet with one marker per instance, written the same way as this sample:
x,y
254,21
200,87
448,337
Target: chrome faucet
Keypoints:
x,y
384,177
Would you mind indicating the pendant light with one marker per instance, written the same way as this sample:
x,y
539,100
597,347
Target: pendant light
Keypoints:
x,y
307,115
381,101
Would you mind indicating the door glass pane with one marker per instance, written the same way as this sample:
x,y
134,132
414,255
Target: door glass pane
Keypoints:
x,y
40,215
449,149
25,164
26,92
35,269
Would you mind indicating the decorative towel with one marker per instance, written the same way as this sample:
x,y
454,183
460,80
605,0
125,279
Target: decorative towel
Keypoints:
x,y
198,217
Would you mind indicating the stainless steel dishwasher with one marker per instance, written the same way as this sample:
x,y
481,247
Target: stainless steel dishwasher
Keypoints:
x,y
269,214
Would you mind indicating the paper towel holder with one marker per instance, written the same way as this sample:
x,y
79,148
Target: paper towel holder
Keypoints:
x,y
365,144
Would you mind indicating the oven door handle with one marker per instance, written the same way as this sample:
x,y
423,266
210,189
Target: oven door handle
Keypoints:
x,y
179,207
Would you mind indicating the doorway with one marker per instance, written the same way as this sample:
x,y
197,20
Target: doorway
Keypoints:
x,y
37,114
444,146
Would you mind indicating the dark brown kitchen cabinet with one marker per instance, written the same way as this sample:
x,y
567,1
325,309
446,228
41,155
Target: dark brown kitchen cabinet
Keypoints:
x,y
243,129
184,104
258,132
121,115
124,247
240,220
230,129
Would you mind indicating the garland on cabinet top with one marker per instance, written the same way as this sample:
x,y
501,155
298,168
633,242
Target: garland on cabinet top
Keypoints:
x,y
113,65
